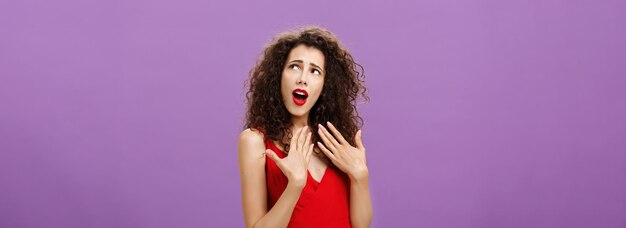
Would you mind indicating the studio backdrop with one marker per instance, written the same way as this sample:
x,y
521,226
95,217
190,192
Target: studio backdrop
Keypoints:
x,y
482,113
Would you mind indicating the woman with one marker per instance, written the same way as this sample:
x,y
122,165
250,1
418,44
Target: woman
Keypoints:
x,y
301,157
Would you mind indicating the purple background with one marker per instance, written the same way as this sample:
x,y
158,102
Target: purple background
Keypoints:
x,y
483,113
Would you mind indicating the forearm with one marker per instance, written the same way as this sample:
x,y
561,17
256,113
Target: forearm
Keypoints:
x,y
360,202
280,214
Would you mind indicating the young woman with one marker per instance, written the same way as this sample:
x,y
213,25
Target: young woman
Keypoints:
x,y
301,156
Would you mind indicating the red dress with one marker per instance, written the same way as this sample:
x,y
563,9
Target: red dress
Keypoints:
x,y
323,204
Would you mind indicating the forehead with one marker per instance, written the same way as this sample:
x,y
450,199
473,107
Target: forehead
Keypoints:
x,y
307,55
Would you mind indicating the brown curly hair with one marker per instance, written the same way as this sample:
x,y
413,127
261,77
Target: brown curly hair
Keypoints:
x,y
343,83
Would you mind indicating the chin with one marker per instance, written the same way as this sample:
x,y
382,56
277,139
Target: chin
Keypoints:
x,y
298,112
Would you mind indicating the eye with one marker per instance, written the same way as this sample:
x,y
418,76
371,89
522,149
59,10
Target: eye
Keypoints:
x,y
318,72
293,65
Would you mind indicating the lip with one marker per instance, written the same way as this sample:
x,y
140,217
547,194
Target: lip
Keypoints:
x,y
296,101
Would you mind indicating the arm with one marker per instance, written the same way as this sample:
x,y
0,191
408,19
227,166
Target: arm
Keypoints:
x,y
254,188
360,201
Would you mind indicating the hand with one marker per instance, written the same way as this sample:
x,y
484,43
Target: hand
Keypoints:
x,y
295,164
350,159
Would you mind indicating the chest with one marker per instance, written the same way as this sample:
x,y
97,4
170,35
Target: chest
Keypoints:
x,y
316,167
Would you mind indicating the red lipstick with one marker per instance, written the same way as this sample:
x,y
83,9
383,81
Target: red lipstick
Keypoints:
x,y
299,96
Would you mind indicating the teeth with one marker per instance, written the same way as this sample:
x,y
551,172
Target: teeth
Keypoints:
x,y
300,93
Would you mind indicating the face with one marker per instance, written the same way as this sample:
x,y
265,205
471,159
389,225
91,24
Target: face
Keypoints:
x,y
302,79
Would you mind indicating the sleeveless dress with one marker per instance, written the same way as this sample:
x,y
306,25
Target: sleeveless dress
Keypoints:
x,y
323,204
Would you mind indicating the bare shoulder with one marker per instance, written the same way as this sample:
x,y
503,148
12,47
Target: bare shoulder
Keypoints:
x,y
251,142
251,136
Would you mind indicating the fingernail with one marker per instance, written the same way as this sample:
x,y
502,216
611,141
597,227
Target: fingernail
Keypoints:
x,y
328,122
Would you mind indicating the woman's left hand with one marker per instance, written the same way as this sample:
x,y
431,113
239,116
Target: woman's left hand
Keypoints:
x,y
350,159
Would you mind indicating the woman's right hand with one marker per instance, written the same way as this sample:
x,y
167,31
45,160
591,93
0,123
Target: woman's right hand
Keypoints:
x,y
295,164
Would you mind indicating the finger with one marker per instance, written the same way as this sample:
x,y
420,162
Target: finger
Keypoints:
x,y
326,151
359,140
294,137
307,142
325,139
309,153
330,137
337,134
301,138
269,153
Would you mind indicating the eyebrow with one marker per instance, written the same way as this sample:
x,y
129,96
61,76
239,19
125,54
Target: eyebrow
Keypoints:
x,y
300,61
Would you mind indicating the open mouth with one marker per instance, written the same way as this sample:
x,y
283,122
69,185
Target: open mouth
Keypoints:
x,y
299,96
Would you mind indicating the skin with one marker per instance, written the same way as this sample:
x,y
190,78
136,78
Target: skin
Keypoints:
x,y
304,70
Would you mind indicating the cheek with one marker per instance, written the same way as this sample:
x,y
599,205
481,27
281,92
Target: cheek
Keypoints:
x,y
318,89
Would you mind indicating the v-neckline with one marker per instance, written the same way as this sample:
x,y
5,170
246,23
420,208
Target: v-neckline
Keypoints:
x,y
321,179
307,170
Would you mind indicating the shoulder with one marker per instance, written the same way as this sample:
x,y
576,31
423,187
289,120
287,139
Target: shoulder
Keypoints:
x,y
251,141
251,136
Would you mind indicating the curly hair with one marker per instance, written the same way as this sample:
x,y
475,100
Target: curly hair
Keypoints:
x,y
343,83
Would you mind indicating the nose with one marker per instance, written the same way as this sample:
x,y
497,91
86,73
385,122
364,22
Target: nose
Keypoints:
x,y
303,78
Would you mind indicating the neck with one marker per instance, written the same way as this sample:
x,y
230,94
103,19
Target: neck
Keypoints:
x,y
298,122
